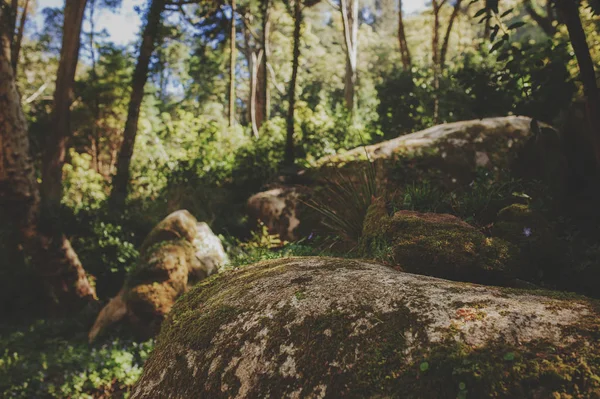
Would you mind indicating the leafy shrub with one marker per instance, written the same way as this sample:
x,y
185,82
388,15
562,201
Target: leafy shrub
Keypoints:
x,y
53,359
107,251
83,186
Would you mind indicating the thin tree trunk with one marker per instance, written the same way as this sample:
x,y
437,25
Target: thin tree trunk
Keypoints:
x,y
254,112
16,46
289,142
446,42
12,19
50,252
262,81
120,181
569,11
350,25
545,23
435,51
404,51
56,140
232,66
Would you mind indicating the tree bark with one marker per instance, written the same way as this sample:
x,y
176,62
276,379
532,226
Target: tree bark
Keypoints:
x,y
435,51
254,112
49,250
16,46
120,181
446,41
404,51
569,10
56,140
262,81
232,63
289,142
349,9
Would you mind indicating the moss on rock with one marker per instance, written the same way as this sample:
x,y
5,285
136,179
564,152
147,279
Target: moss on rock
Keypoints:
x,y
365,330
178,252
437,245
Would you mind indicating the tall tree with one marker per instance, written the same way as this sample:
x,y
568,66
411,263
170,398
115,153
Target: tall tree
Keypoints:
x,y
289,142
56,140
262,97
232,62
17,37
49,250
435,51
404,51
569,12
349,9
120,181
446,42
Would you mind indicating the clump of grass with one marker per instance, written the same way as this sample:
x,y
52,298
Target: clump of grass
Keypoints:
x,y
344,201
424,197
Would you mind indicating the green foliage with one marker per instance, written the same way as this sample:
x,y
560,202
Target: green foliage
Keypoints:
x,y
53,359
423,197
108,254
345,199
83,187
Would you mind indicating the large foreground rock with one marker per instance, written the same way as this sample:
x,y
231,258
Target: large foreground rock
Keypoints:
x,y
177,253
331,328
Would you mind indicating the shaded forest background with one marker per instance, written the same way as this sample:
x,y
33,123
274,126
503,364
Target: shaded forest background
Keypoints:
x,y
217,99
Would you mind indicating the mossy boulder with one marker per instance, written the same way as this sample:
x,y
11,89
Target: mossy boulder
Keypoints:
x,y
452,152
339,328
280,209
436,245
447,155
177,253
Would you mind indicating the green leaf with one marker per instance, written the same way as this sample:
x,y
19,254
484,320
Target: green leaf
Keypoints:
x,y
510,356
495,29
462,386
505,13
516,25
424,366
496,46
480,12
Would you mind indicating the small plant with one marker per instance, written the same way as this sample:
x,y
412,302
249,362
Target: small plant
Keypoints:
x,y
423,197
344,202
263,239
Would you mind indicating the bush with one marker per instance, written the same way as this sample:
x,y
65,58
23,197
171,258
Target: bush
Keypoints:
x,y
53,359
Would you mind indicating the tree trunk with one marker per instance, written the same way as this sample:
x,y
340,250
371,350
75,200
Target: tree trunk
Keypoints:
x,y
50,251
446,42
140,76
254,111
404,51
262,81
232,66
569,11
16,46
435,39
545,23
350,23
56,140
289,142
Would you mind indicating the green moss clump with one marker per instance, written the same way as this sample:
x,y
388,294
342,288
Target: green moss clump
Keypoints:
x,y
438,245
